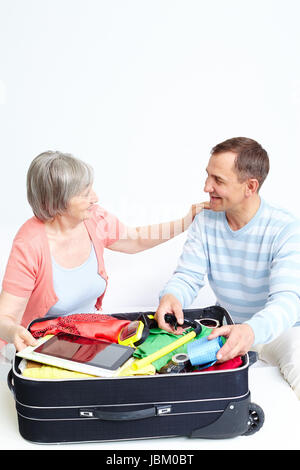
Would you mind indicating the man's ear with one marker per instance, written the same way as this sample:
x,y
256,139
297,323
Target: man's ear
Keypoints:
x,y
252,186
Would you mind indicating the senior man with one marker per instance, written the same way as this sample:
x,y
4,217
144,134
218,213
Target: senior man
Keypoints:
x,y
250,252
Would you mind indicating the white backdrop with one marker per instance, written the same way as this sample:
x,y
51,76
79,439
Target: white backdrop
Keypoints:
x,y
142,89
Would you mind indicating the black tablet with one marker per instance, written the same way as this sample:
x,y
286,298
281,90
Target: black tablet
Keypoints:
x,y
90,352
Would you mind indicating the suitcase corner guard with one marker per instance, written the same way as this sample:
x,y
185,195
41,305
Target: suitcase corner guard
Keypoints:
x,y
233,422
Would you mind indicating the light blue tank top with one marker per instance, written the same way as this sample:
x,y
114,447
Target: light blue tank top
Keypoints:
x,y
78,288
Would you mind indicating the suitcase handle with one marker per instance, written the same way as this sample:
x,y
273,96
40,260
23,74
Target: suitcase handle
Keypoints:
x,y
124,415
10,382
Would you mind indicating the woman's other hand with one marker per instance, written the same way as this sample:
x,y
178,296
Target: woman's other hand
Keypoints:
x,y
194,210
138,239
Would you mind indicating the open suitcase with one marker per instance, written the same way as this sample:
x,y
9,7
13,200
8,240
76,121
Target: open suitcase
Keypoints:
x,y
214,404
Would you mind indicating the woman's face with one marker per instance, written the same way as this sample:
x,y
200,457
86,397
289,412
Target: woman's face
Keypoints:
x,y
80,206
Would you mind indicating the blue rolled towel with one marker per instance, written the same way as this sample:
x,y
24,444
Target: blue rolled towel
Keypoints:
x,y
204,351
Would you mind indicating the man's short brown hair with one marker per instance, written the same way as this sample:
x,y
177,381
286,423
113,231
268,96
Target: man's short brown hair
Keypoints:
x,y
251,161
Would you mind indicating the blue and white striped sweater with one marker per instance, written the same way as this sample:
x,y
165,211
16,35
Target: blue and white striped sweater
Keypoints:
x,y
254,272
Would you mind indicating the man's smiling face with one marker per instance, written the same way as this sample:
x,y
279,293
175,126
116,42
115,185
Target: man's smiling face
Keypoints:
x,y
222,184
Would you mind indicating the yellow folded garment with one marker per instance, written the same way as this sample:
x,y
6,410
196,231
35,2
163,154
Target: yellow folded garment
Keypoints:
x,y
35,370
128,371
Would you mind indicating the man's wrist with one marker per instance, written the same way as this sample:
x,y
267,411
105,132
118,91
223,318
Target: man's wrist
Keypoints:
x,y
249,323
173,293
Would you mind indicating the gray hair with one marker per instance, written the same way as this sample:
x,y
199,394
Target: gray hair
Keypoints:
x,y
53,178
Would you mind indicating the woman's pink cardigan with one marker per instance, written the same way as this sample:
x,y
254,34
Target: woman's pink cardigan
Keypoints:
x,y
29,267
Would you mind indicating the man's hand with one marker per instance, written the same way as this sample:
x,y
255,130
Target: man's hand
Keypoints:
x,y
169,304
239,340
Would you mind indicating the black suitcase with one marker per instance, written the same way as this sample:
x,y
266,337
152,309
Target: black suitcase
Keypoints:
x,y
214,404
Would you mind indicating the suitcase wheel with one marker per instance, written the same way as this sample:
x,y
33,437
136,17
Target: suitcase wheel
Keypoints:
x,y
256,419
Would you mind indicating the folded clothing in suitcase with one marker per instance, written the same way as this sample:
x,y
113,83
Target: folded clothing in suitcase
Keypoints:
x,y
206,404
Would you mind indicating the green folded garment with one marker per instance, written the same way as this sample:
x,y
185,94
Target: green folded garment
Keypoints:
x,y
158,339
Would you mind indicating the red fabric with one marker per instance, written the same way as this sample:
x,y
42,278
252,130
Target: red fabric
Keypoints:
x,y
81,324
231,364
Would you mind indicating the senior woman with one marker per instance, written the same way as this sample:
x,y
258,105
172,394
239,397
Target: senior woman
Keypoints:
x,y
56,262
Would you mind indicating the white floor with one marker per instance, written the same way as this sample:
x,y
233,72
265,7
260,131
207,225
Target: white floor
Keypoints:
x,y
268,389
